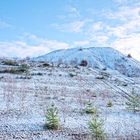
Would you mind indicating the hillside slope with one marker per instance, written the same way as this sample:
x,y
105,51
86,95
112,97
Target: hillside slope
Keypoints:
x,y
96,57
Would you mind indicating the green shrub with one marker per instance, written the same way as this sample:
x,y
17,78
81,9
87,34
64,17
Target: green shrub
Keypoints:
x,y
109,104
133,102
96,128
90,109
52,120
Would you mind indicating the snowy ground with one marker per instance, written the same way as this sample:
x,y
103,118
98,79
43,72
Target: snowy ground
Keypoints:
x,y
23,104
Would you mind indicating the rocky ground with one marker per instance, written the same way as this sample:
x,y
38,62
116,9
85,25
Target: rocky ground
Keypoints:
x,y
24,100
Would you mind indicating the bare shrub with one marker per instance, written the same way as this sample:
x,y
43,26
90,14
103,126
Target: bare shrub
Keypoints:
x,y
129,56
84,63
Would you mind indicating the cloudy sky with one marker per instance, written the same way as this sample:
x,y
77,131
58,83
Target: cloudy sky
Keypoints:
x,y
35,27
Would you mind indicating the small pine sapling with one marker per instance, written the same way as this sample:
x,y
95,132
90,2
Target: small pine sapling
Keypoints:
x,y
96,128
109,104
52,120
90,109
133,102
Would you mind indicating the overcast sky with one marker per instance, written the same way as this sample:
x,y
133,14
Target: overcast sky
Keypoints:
x,y
35,27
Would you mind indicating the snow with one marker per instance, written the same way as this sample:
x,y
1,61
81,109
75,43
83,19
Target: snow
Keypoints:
x,y
97,57
24,102
24,114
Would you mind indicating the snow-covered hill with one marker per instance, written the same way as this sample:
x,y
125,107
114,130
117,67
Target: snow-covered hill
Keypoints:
x,y
96,57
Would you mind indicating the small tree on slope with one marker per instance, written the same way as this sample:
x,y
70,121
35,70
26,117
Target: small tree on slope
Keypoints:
x,y
52,120
96,128
133,102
